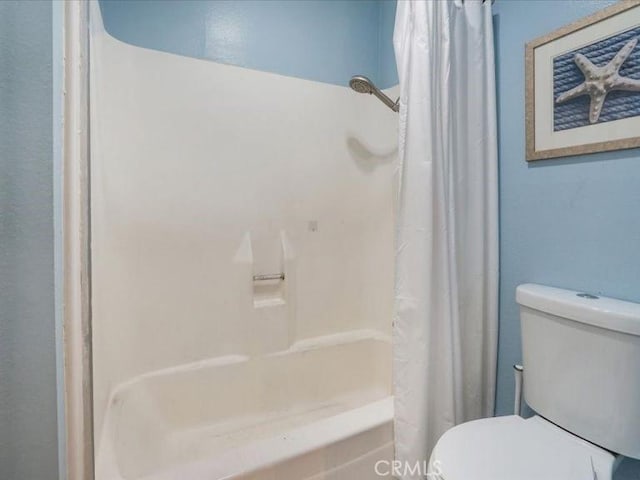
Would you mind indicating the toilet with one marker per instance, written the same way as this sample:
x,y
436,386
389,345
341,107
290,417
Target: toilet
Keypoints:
x,y
581,358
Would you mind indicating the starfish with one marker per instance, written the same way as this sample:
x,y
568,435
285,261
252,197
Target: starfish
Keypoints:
x,y
599,81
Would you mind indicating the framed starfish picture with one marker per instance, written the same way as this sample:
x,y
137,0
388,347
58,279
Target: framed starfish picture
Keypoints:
x,y
583,85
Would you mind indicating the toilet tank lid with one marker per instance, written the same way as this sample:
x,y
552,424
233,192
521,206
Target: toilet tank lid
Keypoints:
x,y
603,312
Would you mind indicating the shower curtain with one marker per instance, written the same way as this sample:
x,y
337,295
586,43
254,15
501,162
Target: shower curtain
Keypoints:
x,y
445,325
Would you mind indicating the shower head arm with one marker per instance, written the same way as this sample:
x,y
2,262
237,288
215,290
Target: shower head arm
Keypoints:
x,y
395,106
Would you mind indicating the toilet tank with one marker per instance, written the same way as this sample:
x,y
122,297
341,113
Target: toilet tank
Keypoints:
x,y
581,357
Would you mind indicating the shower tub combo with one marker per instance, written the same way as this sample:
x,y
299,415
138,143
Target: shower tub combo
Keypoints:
x,y
242,271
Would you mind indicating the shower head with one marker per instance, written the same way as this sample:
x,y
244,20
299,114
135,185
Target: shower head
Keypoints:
x,y
362,84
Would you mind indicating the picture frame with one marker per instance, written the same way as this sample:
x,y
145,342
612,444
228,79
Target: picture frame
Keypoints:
x,y
583,85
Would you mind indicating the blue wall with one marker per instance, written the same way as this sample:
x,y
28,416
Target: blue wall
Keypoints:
x,y
572,222
327,41
387,71
28,429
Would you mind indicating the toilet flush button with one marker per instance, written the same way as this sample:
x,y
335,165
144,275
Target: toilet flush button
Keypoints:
x,y
587,295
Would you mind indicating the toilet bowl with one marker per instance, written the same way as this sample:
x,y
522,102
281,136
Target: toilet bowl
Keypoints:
x,y
581,357
512,448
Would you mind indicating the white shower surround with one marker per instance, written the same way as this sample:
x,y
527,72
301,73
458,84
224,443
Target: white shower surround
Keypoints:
x,y
203,175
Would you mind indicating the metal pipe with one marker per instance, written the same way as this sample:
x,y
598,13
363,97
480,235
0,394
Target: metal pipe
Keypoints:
x,y
517,405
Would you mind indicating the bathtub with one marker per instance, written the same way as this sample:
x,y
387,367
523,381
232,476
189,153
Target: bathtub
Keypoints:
x,y
319,410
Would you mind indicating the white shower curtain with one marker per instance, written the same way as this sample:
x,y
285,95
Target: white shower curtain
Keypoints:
x,y
445,326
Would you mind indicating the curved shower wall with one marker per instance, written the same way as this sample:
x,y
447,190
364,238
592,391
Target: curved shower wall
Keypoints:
x,y
203,176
